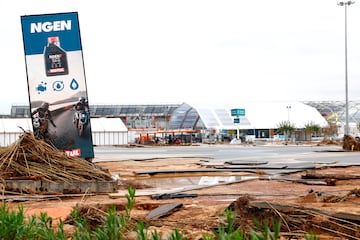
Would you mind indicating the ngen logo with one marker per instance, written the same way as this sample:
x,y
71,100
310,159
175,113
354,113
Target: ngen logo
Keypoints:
x,y
50,26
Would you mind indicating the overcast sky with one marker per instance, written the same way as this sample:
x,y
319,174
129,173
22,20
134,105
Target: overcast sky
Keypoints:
x,y
197,51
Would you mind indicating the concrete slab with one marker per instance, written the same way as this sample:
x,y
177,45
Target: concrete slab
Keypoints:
x,y
38,186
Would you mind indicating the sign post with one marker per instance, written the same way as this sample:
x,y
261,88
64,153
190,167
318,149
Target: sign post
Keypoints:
x,y
237,112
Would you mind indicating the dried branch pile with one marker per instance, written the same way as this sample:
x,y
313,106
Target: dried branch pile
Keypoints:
x,y
350,143
29,158
296,220
93,216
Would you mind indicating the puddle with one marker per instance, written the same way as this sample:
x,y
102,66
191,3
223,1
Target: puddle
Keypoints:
x,y
175,182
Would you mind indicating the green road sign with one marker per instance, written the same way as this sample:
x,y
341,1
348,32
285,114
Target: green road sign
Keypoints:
x,y
236,120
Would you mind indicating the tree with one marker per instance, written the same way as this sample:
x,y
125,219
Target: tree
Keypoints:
x,y
286,128
311,128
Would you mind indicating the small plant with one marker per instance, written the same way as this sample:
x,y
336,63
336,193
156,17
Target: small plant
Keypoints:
x,y
263,231
155,235
311,236
228,229
113,227
142,231
15,225
176,235
44,229
130,196
82,230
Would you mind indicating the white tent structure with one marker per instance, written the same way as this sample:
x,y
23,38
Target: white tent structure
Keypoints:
x,y
258,115
108,131
11,128
268,115
105,131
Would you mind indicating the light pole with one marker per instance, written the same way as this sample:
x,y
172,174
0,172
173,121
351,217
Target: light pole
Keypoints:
x,y
288,108
346,130
288,133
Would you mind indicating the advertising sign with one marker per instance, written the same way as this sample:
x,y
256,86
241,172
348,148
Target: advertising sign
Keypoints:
x,y
56,82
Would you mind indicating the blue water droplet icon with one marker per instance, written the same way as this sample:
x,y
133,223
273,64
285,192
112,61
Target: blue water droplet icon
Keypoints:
x,y
58,86
74,84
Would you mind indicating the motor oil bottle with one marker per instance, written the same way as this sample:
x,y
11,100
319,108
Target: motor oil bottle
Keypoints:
x,y
55,58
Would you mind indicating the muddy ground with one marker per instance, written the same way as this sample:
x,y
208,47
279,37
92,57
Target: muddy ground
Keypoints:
x,y
329,206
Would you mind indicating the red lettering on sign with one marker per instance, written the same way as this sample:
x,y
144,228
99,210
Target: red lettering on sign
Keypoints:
x,y
73,152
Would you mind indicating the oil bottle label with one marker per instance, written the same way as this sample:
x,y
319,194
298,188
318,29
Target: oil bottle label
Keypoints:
x,y
55,58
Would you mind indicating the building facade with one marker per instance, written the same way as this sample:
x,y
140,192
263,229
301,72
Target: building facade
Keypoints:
x,y
216,123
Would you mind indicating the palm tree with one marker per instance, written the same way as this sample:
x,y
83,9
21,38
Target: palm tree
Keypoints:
x,y
286,128
311,128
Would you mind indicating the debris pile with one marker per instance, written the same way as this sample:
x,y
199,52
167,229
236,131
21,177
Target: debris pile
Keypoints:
x,y
32,159
94,216
296,220
350,143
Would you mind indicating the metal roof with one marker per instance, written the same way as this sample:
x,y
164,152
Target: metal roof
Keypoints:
x,y
259,115
15,125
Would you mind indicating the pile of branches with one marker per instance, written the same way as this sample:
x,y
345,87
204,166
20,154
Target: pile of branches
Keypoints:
x,y
94,216
30,158
350,143
295,220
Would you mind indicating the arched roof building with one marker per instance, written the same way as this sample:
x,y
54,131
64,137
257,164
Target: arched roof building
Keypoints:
x,y
261,119
258,115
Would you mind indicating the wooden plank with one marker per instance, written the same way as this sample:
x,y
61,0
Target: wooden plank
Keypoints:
x,y
200,170
173,195
183,189
37,197
246,162
265,166
296,180
327,176
282,207
163,210
300,166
